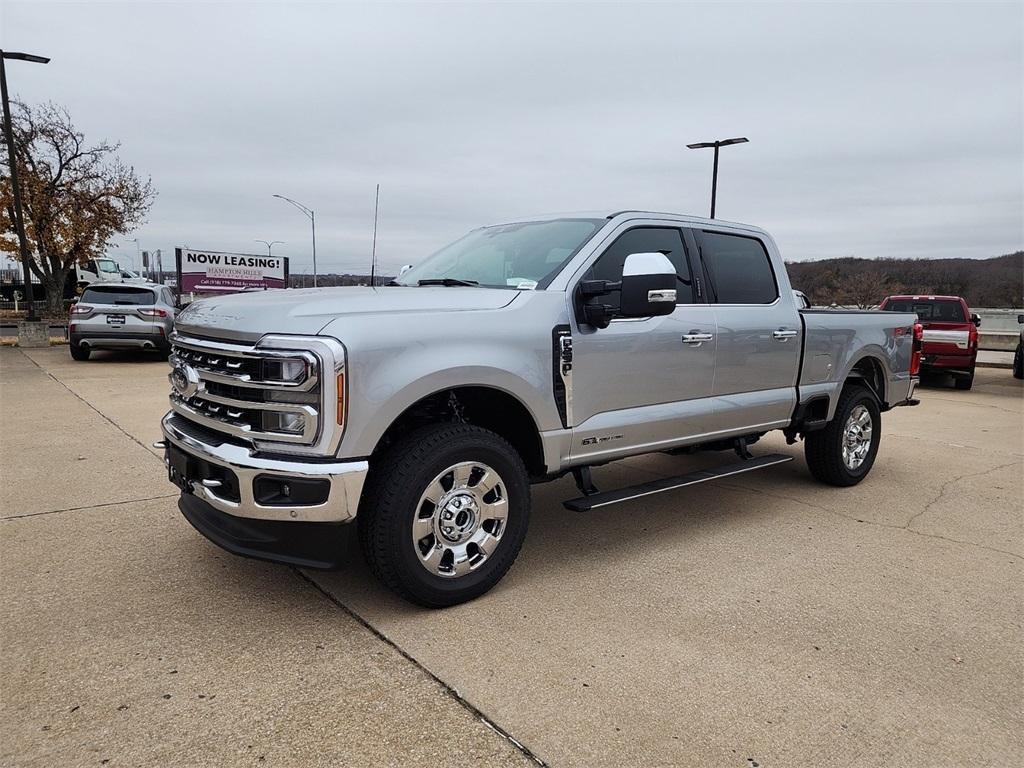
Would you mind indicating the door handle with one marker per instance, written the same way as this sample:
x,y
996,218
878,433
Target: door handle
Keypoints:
x,y
783,334
696,339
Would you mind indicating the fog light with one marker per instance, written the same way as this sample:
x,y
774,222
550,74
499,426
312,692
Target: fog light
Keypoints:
x,y
291,423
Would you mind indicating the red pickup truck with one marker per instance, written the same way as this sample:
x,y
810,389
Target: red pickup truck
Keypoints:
x,y
950,334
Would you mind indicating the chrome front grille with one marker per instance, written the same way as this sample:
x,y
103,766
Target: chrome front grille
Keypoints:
x,y
274,393
234,367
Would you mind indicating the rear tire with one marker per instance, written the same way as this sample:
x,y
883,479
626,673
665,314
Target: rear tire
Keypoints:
x,y
824,449
1018,363
964,382
78,352
402,531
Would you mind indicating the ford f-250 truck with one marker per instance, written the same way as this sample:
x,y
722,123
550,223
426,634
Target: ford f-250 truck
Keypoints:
x,y
419,413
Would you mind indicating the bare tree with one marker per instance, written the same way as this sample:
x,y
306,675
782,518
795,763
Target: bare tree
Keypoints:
x,y
866,289
75,197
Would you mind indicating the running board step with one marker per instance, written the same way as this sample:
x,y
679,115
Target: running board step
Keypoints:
x,y
584,503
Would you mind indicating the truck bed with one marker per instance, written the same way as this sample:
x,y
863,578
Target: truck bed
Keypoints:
x,y
835,342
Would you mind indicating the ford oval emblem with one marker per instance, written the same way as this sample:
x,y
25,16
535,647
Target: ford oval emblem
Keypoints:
x,y
185,380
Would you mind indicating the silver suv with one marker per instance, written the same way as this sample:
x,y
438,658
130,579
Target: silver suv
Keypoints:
x,y
120,316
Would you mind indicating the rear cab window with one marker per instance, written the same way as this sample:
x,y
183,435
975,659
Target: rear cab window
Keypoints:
x,y
738,269
119,295
929,310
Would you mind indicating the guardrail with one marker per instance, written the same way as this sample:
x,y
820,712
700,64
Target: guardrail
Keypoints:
x,y
998,341
8,328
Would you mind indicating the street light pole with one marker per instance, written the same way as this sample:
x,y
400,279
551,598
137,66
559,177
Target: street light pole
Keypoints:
x,y
138,253
311,214
270,245
19,221
714,173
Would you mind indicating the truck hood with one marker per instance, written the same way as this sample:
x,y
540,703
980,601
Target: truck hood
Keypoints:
x,y
248,316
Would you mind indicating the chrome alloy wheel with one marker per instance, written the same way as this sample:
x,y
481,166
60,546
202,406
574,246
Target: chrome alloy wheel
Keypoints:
x,y
857,437
460,519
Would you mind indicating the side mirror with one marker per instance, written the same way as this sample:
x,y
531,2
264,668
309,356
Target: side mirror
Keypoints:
x,y
976,319
404,269
648,286
647,289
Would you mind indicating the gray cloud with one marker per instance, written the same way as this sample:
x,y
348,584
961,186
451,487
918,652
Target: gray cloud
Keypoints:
x,y
876,130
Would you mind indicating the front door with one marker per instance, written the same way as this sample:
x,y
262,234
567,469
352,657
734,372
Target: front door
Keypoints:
x,y
645,383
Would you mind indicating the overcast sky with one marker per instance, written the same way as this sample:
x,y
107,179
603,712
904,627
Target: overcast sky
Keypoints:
x,y
875,129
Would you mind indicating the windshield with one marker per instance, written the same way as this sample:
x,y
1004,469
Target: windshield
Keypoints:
x,y
106,265
524,256
117,296
929,310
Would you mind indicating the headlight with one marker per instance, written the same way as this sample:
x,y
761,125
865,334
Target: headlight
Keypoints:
x,y
284,370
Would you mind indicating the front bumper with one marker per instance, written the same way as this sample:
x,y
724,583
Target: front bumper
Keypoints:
x,y
324,546
234,493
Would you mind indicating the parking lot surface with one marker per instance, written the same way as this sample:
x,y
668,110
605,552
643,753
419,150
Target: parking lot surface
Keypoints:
x,y
763,620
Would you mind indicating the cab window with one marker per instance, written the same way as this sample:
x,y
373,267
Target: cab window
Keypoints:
x,y
929,310
738,269
666,240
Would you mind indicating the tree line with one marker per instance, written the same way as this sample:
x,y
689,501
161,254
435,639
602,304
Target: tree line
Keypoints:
x,y
993,282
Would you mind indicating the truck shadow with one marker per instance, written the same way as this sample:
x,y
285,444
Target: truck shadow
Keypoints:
x,y
112,356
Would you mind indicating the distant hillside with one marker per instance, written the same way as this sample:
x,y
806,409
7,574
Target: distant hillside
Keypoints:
x,y
995,282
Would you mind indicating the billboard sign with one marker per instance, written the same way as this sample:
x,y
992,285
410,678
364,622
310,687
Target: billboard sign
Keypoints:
x,y
201,271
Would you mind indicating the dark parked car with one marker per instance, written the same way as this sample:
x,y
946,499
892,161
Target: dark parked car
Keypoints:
x,y
1018,355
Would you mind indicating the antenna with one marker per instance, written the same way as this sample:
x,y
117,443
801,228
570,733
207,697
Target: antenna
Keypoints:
x,y
373,251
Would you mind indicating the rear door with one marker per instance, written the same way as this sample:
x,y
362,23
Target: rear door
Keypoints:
x,y
638,382
759,332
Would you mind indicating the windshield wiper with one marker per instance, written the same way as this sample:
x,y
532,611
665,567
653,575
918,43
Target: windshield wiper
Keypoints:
x,y
447,281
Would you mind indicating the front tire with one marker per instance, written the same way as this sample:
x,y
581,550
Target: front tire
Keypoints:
x,y
844,451
1018,362
444,514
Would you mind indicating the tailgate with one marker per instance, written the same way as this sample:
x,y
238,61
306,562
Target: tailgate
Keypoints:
x,y
946,338
116,320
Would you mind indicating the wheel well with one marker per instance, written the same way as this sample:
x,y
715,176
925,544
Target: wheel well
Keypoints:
x,y
871,373
485,407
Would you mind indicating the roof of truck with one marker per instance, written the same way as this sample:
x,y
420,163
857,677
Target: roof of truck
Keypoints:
x,y
636,214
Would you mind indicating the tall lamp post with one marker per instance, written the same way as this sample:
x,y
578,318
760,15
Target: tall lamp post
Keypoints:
x,y
714,173
138,253
312,220
19,222
270,245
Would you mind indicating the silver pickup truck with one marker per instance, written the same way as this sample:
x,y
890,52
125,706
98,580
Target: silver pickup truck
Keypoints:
x,y
419,413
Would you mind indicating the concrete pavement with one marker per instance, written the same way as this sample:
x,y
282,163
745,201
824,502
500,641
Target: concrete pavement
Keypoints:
x,y
125,639
763,619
